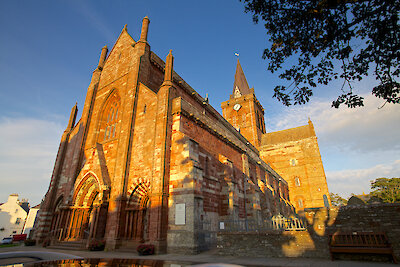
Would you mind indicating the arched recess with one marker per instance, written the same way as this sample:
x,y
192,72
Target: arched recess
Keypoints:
x,y
137,212
58,213
86,201
108,127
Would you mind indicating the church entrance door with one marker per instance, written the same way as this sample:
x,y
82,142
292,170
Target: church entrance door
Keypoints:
x,y
137,215
84,213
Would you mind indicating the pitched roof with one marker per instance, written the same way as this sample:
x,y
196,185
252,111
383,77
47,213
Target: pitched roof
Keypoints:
x,y
240,81
25,206
292,134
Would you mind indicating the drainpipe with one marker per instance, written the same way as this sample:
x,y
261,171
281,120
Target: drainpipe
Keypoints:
x,y
245,209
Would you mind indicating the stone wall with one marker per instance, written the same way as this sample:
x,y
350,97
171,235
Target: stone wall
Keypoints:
x,y
314,242
272,244
295,155
369,218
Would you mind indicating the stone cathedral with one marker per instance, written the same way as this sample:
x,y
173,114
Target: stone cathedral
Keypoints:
x,y
151,161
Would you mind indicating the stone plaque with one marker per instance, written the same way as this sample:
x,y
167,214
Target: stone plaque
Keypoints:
x,y
180,214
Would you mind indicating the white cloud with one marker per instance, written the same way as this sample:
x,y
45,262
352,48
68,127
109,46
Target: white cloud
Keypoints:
x,y
28,149
357,145
364,129
358,181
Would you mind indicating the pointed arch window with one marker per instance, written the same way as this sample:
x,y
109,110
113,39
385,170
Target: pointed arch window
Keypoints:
x,y
110,119
300,203
297,181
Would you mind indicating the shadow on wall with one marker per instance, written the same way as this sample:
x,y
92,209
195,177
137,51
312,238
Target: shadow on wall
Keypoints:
x,y
314,242
5,224
213,188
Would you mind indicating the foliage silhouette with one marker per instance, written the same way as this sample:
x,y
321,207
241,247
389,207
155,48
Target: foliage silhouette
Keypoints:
x,y
337,200
331,39
386,189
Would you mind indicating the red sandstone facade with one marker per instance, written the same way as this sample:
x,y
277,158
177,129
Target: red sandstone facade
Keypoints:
x,y
293,153
151,161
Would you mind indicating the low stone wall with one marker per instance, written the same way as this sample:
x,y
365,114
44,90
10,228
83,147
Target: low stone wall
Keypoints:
x,y
314,242
272,244
368,218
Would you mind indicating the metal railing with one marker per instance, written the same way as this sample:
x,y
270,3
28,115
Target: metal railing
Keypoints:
x,y
275,223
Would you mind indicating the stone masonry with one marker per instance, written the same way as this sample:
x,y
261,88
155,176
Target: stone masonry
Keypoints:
x,y
150,161
314,242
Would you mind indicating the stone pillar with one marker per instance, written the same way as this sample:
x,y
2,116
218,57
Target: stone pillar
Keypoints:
x,y
114,220
46,212
158,217
145,29
185,206
103,56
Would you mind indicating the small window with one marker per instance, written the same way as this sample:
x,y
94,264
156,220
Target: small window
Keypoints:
x,y
326,202
296,181
300,202
18,221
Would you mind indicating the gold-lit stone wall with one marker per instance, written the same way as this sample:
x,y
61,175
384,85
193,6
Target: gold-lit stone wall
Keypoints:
x,y
295,155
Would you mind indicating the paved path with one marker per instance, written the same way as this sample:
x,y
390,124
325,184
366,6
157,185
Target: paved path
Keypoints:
x,y
22,254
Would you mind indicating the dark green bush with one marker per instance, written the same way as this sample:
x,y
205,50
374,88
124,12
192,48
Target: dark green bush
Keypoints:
x,y
145,249
30,242
97,245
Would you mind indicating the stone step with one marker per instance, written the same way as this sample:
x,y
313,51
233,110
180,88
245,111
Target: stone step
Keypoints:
x,y
71,245
128,246
128,249
66,248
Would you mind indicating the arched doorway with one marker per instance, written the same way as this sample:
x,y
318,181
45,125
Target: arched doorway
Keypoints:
x,y
137,214
84,210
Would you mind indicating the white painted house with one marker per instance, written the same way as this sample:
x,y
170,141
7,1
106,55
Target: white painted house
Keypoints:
x,y
12,217
30,220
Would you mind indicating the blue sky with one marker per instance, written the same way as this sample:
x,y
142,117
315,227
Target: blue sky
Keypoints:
x,y
50,48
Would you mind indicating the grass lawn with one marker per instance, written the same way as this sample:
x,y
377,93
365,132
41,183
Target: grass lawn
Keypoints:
x,y
9,245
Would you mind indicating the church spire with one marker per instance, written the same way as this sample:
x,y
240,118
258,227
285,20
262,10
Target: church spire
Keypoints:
x,y
240,86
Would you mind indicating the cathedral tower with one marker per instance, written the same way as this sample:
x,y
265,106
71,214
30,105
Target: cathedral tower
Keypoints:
x,y
243,110
294,154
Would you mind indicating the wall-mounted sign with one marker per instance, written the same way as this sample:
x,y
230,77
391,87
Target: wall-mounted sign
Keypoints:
x,y
180,214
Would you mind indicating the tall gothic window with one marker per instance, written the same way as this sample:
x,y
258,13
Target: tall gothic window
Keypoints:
x,y
110,118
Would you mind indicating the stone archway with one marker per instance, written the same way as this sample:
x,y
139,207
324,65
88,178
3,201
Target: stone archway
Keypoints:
x,y
137,214
86,202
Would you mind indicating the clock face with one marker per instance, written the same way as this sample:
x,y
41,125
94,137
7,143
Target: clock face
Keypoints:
x,y
237,107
